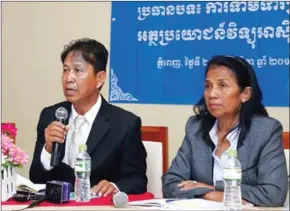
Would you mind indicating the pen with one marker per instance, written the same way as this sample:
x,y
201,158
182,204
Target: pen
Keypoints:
x,y
169,200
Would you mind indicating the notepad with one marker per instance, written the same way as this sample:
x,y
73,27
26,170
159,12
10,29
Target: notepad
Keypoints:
x,y
25,184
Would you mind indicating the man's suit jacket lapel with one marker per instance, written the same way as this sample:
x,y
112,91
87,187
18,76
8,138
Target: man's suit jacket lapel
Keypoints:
x,y
100,126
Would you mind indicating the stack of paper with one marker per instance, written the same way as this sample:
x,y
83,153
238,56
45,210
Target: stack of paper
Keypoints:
x,y
179,204
198,204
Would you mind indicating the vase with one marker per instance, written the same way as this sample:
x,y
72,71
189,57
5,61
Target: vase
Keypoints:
x,y
8,176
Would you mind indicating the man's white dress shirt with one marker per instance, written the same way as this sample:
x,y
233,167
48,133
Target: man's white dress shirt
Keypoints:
x,y
85,131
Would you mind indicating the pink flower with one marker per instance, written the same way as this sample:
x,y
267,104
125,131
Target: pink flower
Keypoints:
x,y
14,155
17,156
9,128
6,144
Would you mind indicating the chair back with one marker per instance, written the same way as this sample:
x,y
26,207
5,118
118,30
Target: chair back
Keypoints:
x,y
155,140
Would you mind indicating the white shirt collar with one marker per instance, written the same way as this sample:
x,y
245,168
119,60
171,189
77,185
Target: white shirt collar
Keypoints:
x,y
91,114
232,137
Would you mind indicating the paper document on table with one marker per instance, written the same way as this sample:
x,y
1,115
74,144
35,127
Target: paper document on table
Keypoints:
x,y
25,184
179,204
197,204
157,203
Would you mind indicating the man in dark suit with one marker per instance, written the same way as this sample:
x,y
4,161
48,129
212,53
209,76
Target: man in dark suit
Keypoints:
x,y
112,135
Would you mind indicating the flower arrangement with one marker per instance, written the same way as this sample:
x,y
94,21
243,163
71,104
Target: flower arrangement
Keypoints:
x,y
12,156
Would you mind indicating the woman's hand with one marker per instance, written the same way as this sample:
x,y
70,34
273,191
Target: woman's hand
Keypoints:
x,y
189,184
218,196
214,196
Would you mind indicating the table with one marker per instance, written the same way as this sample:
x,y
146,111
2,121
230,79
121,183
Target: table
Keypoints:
x,y
16,207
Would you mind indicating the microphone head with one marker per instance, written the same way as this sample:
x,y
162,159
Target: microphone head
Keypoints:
x,y
61,114
120,200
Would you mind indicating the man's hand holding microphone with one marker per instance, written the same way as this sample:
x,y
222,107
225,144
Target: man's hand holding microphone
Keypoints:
x,y
55,133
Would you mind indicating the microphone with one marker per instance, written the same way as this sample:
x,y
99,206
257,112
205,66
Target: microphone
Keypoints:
x,y
61,115
120,200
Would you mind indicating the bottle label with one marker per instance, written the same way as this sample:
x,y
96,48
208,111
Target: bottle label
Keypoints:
x,y
82,166
232,173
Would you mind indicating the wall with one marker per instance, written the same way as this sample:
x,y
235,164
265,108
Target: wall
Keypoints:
x,y
33,35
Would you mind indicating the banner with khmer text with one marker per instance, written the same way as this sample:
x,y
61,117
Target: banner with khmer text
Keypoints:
x,y
159,50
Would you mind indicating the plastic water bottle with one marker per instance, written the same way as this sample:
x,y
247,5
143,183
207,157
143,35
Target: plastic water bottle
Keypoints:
x,y
82,175
232,174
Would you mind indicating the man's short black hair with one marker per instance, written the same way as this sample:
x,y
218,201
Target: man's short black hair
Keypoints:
x,y
93,52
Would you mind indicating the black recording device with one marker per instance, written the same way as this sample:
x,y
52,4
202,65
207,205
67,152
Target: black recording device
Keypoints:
x,y
61,115
57,192
23,196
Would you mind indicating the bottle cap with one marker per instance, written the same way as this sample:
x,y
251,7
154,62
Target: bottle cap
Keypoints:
x,y
83,147
232,152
